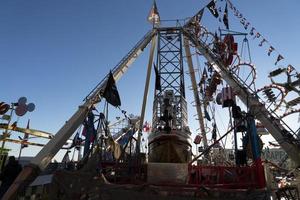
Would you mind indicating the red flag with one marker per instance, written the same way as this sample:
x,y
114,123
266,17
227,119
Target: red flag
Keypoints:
x,y
146,127
197,139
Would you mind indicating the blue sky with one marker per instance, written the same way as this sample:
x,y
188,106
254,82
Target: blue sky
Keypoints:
x,y
55,52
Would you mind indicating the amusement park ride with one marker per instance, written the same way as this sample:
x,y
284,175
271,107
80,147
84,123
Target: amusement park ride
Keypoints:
x,y
170,143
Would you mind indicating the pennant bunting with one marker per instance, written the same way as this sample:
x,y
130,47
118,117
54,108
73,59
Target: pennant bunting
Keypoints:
x,y
290,68
204,76
206,115
212,8
262,42
257,35
279,58
246,25
271,49
243,21
252,31
230,4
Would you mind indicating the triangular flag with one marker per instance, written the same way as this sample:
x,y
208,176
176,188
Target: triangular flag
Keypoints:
x,y
257,35
271,49
252,31
246,25
204,73
225,17
230,4
204,76
111,93
153,16
212,8
262,42
206,115
279,58
290,68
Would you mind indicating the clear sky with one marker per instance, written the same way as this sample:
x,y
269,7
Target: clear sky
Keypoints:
x,y
54,52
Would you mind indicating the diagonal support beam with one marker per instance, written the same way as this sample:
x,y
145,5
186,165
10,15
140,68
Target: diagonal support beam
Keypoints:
x,y
276,129
43,158
146,91
195,91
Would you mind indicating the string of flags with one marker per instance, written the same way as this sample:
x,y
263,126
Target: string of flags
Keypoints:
x,y
246,24
253,32
215,12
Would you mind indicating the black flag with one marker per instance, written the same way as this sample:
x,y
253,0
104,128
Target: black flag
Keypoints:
x,y
279,58
212,8
225,17
157,79
111,93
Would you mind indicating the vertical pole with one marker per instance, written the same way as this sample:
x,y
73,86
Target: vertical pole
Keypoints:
x,y
195,90
150,62
20,152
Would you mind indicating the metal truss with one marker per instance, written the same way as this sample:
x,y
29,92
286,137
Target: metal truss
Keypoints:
x,y
170,69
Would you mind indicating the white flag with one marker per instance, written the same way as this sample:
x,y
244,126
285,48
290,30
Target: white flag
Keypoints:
x,y
153,16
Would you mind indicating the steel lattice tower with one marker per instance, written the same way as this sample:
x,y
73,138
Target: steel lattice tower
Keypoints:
x,y
170,69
